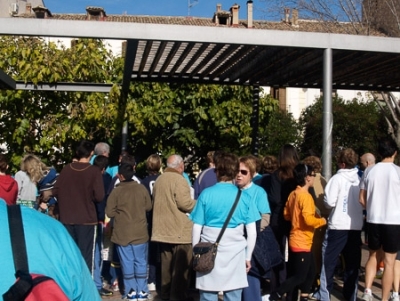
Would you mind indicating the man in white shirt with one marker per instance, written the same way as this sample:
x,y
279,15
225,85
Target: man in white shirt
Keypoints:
x,y
379,193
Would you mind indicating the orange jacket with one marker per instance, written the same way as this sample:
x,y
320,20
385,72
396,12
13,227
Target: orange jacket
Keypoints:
x,y
300,211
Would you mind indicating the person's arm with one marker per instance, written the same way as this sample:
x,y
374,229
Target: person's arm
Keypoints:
x,y
184,201
98,187
308,213
332,191
363,197
111,207
147,199
265,218
196,232
251,242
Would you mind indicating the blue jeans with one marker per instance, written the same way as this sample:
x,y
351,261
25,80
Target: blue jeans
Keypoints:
x,y
348,243
134,266
234,295
98,261
253,291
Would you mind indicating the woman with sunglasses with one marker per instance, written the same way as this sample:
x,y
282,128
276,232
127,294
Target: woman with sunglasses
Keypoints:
x,y
234,250
247,170
300,211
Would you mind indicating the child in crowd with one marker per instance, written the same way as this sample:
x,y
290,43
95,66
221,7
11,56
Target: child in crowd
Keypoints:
x,y
300,211
127,204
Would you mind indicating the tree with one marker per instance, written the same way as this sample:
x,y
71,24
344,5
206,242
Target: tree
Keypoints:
x,y
281,129
356,124
193,119
49,123
163,118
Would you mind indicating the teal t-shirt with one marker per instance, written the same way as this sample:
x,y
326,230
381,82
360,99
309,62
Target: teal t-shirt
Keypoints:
x,y
215,202
259,197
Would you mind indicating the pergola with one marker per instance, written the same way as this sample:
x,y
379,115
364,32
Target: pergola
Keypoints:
x,y
223,55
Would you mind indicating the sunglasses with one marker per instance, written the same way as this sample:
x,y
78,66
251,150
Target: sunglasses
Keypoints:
x,y
244,172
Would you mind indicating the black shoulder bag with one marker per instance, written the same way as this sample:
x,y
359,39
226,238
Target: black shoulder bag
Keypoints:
x,y
204,253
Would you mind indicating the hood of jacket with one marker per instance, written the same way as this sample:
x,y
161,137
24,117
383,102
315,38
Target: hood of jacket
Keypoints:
x,y
7,183
350,175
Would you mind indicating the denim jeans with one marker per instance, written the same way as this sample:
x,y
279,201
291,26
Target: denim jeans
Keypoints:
x,y
134,266
234,295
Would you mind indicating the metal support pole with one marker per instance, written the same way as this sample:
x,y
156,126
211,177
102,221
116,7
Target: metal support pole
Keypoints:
x,y
124,144
255,119
327,117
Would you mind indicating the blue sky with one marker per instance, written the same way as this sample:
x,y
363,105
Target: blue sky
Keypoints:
x,y
203,8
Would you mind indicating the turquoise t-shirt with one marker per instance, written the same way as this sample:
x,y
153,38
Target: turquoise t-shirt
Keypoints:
x,y
215,202
259,197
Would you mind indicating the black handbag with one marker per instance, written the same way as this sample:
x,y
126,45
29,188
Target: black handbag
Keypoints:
x,y
204,253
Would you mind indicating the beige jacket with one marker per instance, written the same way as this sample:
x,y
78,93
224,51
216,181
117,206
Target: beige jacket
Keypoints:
x,y
172,202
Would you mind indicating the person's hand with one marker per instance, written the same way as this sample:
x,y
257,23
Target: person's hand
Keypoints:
x,y
43,206
248,266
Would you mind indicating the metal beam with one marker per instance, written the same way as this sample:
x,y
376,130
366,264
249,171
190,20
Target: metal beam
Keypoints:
x,y
131,51
6,82
200,34
327,116
65,87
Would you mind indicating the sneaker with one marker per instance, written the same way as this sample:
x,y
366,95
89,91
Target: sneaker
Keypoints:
x,y
265,297
367,297
132,295
114,287
105,292
151,287
394,298
143,296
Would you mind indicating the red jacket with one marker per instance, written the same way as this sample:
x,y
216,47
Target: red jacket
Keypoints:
x,y
8,189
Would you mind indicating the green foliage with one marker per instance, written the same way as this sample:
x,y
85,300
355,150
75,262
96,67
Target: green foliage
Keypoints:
x,y
49,123
357,125
192,119
281,129
164,118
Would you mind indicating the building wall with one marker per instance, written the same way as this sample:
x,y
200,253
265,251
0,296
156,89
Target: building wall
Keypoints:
x,y
5,7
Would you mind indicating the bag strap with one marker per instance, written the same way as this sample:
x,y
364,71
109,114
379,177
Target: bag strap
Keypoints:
x,y
17,237
20,290
228,218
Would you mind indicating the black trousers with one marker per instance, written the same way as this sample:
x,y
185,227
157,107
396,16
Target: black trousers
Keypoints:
x,y
301,273
85,238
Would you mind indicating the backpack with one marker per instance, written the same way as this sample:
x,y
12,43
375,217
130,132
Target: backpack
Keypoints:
x,y
30,287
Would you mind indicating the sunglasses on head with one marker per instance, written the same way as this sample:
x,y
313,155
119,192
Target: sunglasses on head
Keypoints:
x,y
244,172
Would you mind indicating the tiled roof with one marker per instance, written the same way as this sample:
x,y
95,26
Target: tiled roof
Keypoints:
x,y
303,25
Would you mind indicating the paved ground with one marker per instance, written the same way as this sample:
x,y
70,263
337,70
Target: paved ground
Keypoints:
x,y
336,294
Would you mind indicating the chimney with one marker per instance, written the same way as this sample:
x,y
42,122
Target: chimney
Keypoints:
x,y
287,14
95,13
295,17
41,12
219,7
28,8
250,14
235,15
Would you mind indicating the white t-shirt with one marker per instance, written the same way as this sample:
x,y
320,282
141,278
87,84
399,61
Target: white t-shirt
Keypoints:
x,y
382,183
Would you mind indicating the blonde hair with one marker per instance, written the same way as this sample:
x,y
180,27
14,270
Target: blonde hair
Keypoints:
x,y
34,167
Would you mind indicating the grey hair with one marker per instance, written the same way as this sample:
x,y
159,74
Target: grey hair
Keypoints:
x,y
174,161
101,148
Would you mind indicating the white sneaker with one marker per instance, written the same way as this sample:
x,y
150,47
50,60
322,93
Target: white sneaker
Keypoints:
x,y
394,298
367,297
221,293
265,297
151,287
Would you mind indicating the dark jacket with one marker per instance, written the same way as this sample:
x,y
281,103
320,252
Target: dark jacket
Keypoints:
x,y
266,253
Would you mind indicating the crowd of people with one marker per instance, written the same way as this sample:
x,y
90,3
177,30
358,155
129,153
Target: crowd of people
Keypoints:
x,y
285,239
